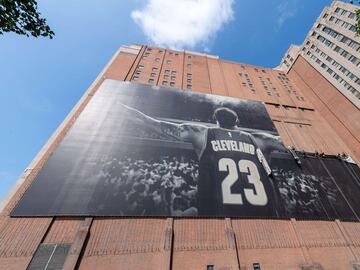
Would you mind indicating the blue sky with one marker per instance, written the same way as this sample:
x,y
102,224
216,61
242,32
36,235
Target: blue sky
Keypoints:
x,y
42,79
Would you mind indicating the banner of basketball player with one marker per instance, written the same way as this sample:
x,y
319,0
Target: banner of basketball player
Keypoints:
x,y
142,151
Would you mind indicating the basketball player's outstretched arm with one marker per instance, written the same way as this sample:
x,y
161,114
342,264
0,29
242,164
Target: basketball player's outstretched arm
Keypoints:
x,y
195,134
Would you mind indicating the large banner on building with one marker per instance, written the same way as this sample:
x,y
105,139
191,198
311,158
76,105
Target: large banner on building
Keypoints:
x,y
138,150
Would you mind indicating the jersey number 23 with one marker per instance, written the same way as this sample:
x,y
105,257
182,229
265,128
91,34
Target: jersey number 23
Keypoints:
x,y
256,196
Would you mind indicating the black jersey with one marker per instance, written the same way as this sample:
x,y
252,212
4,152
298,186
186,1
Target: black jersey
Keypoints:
x,y
232,181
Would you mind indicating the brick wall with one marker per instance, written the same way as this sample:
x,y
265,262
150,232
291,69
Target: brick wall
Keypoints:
x,y
307,113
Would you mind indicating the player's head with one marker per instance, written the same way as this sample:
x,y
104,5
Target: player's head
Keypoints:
x,y
226,118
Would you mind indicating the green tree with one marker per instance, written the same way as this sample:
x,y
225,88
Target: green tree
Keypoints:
x,y
357,25
23,18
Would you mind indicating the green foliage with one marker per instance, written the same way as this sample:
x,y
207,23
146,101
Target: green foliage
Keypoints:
x,y
22,17
357,25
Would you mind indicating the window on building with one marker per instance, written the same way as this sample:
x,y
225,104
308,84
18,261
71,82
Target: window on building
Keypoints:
x,y
188,65
339,36
325,15
160,51
167,71
286,107
189,75
351,15
344,40
329,59
210,267
352,59
328,43
154,69
169,61
352,44
330,71
337,10
327,30
189,80
157,59
176,54
151,81
188,86
172,84
189,57
344,12
166,77
344,53
152,74
173,78
170,53
140,67
149,49
343,70
49,256
173,72
165,83
135,78
335,64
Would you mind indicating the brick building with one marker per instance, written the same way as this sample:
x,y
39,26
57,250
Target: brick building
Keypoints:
x,y
309,113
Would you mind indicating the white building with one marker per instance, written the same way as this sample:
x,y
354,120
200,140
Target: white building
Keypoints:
x,y
333,49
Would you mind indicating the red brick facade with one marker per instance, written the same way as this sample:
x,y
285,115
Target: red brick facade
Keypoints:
x,y
309,114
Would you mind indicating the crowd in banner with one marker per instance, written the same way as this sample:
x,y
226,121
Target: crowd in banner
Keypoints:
x,y
157,186
304,194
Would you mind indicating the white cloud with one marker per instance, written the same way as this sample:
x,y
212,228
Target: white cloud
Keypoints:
x,y
183,23
286,10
